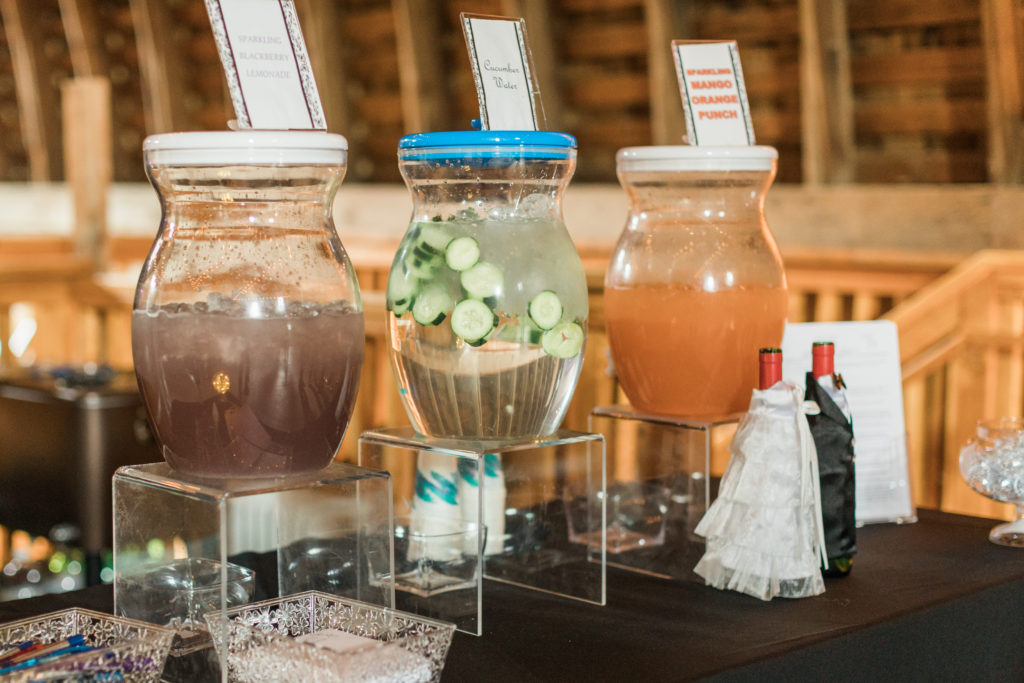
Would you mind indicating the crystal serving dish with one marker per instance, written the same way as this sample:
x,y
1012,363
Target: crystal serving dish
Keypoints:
x,y
992,463
129,650
260,641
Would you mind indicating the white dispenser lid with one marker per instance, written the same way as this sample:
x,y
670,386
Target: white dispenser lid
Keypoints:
x,y
694,158
241,147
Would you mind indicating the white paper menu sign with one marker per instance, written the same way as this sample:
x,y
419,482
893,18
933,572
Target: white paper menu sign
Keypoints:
x,y
714,97
264,57
867,356
502,69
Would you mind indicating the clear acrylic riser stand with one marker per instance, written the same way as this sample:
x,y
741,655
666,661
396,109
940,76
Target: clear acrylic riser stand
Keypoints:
x,y
659,486
530,514
184,546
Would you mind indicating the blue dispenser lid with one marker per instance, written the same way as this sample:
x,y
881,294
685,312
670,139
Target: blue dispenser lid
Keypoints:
x,y
487,144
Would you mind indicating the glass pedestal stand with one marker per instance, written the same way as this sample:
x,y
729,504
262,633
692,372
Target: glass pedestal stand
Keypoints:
x,y
184,547
659,486
507,511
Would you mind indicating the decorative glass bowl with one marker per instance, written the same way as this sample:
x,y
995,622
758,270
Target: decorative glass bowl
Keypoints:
x,y
992,463
258,642
129,650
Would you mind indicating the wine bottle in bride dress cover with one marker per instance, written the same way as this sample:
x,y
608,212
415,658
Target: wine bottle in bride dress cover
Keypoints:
x,y
764,530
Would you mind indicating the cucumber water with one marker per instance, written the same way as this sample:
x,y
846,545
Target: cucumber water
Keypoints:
x,y
503,360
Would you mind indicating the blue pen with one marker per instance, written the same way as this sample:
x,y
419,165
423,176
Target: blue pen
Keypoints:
x,y
47,658
37,650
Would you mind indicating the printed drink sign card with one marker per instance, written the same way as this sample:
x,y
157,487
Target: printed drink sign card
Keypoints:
x,y
714,97
265,61
868,357
502,69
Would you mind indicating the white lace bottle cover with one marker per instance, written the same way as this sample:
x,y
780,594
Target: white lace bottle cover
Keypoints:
x,y
764,533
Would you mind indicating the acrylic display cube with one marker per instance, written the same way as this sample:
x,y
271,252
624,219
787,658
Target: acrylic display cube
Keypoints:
x,y
659,486
185,547
507,511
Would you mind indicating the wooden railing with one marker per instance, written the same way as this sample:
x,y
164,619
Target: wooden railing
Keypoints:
x,y
962,352
45,275
962,335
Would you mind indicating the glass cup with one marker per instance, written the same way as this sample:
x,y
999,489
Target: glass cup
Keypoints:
x,y
992,463
695,284
247,329
487,299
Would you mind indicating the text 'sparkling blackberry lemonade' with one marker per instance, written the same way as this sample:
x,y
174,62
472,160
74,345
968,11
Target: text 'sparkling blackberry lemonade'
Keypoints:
x,y
487,299
247,330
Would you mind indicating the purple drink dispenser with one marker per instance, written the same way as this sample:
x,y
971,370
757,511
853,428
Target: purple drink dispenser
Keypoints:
x,y
247,328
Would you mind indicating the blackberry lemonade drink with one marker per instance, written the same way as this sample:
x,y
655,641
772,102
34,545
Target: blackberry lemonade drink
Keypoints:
x,y
247,332
266,395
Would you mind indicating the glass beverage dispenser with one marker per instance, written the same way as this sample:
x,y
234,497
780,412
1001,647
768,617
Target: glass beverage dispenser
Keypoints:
x,y
247,329
487,299
696,284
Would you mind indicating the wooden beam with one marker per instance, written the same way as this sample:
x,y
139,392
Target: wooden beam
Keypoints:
x,y
1001,30
159,66
39,111
83,33
422,82
826,93
321,23
664,24
88,161
543,45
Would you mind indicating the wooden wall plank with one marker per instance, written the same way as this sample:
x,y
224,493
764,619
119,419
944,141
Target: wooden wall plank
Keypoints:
x,y
88,161
37,99
750,22
916,116
83,33
605,41
419,66
1004,61
320,20
159,67
664,23
543,44
601,90
948,64
877,14
826,93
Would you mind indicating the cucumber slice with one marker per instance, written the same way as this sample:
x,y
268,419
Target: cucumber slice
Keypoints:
x,y
482,281
563,341
462,253
545,309
431,306
472,321
401,293
432,238
424,254
420,268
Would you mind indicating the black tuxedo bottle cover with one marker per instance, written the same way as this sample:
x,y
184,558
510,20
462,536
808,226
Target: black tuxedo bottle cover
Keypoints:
x,y
832,430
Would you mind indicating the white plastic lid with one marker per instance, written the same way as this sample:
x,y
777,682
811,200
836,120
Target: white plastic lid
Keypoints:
x,y
257,147
694,158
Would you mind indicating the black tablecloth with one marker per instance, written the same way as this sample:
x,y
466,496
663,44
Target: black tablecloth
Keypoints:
x,y
927,601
